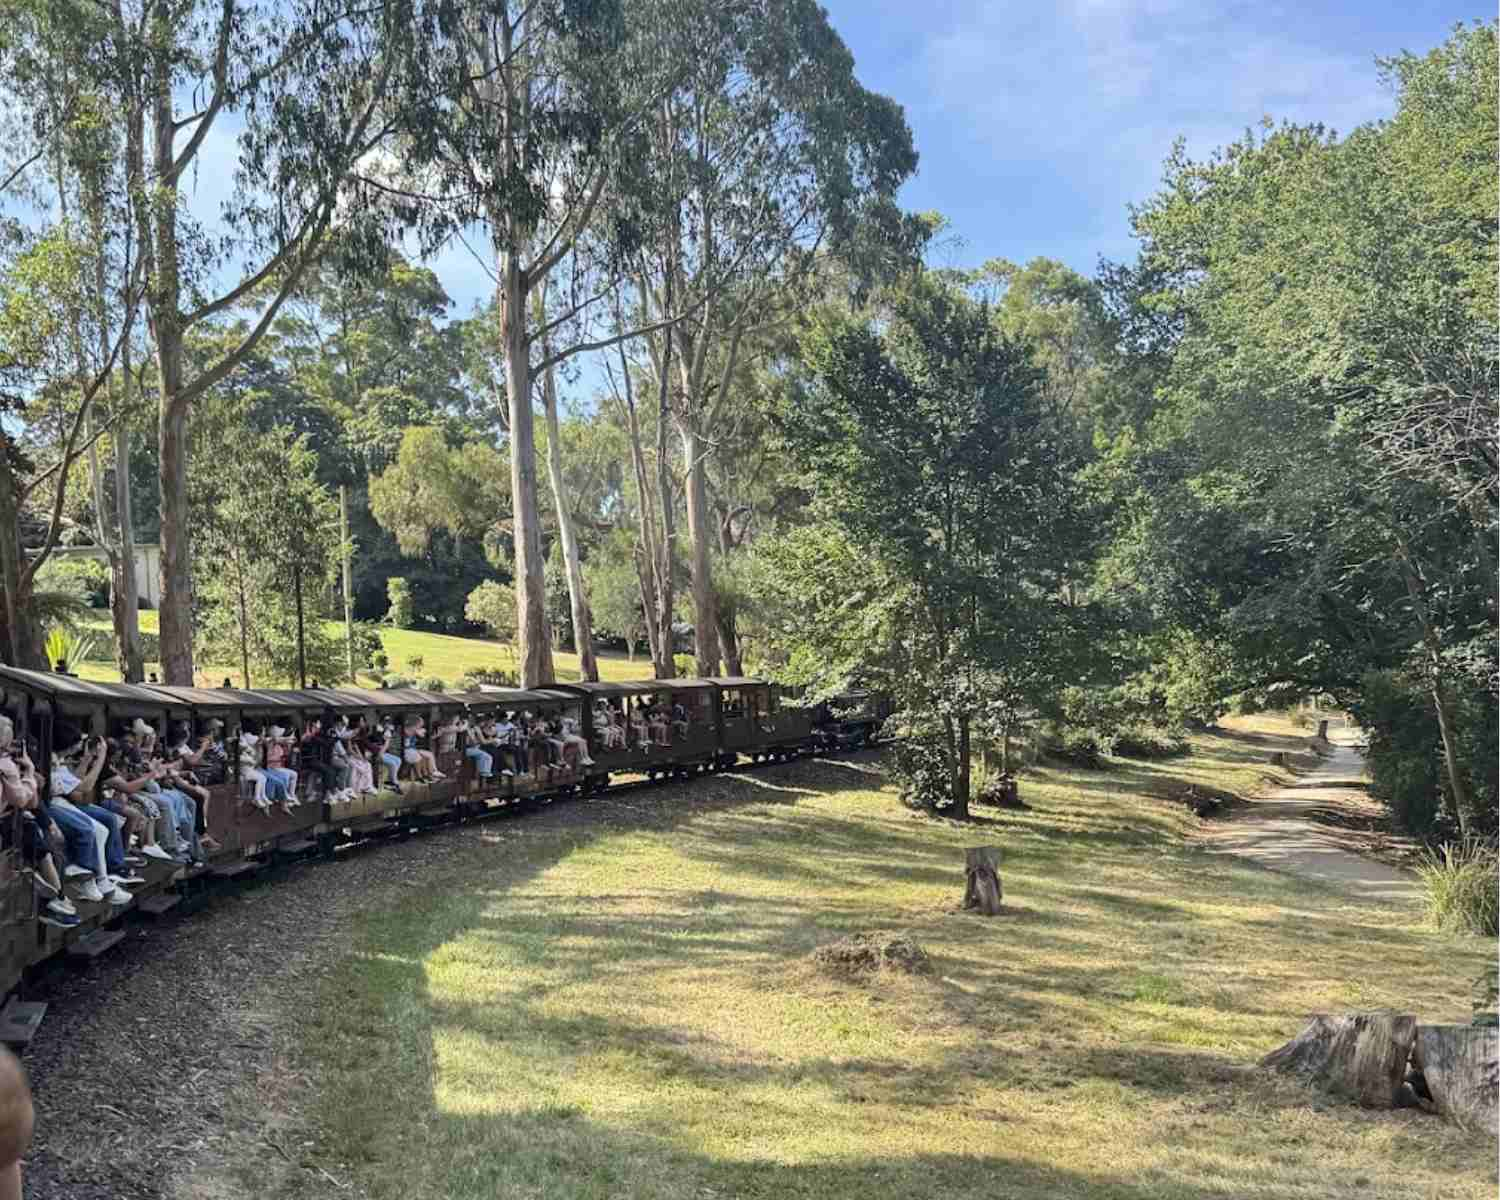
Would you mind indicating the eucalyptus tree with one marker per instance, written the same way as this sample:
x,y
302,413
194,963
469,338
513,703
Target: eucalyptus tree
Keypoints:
x,y
517,116
768,154
302,88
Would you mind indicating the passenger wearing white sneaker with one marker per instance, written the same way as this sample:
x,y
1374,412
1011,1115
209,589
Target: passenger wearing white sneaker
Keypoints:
x,y
89,890
278,751
250,771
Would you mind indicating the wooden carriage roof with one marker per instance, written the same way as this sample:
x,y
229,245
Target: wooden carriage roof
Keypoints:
x,y
68,687
738,681
388,698
514,697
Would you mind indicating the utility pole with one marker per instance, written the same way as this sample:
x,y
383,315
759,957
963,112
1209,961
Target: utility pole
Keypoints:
x,y
345,553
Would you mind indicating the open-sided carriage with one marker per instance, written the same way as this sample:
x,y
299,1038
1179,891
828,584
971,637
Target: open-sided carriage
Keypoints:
x,y
649,728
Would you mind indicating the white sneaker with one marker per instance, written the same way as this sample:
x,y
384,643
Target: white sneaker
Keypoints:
x,y
134,860
588,762
73,871
89,890
118,879
120,896
156,852
62,906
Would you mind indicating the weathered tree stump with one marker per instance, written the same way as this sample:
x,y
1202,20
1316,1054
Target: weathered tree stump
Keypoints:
x,y
1461,1067
1278,758
1322,731
1361,1055
982,886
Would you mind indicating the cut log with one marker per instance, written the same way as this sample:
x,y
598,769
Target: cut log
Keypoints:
x,y
1461,1066
1322,731
982,886
1361,1055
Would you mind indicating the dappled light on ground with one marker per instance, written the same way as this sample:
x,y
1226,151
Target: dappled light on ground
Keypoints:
x,y
626,1007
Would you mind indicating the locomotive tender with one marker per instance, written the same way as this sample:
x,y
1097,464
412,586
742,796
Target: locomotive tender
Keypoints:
x,y
641,730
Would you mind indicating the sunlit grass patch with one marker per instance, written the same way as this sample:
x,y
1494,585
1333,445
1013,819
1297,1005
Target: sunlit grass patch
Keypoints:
x,y
626,1006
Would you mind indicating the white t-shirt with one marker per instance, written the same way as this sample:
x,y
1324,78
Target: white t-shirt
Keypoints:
x,y
64,782
504,731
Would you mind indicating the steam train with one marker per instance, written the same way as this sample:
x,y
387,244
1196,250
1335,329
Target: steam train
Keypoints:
x,y
635,733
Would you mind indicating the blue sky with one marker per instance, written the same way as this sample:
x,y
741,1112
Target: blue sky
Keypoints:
x,y
1039,121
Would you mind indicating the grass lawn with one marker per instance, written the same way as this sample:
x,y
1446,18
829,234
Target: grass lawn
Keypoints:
x,y
614,1001
447,658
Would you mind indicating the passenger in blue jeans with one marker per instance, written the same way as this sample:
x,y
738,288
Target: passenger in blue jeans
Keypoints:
x,y
68,801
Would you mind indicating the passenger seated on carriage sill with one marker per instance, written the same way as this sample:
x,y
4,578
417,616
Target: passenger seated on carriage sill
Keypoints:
x,y
69,796
317,759
379,746
250,771
474,749
167,786
204,756
19,791
278,753
127,780
610,724
423,763
502,734
349,747
574,740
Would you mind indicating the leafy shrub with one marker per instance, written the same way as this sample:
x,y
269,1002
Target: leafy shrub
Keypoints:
x,y
686,665
1078,747
66,646
396,681
86,579
920,764
368,646
1459,888
400,612
415,663
150,647
1148,741
475,676
432,684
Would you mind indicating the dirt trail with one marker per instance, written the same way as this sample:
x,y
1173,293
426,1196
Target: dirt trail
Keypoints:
x,y
1276,831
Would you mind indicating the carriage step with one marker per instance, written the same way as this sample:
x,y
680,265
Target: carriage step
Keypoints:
x,y
300,846
92,945
234,870
19,1021
160,904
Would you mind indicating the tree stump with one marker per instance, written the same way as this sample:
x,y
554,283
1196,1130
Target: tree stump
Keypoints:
x,y
1322,731
982,887
1278,758
1461,1066
1361,1055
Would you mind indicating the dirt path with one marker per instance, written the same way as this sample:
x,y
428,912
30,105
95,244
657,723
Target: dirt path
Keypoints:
x,y
1276,831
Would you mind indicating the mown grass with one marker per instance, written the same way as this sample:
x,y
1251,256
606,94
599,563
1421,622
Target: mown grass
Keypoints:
x,y
617,1002
443,657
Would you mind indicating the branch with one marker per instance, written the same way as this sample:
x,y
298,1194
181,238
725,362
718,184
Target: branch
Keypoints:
x,y
221,92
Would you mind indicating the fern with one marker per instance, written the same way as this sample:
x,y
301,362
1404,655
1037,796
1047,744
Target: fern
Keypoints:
x,y
65,645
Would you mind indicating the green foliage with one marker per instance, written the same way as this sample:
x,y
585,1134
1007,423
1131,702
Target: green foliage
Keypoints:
x,y
253,556
1459,888
473,677
415,663
379,661
432,684
493,605
399,612
368,646
945,492
396,681
685,665
69,646
86,579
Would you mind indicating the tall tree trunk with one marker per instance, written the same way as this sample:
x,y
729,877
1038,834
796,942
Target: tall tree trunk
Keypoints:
x,y
700,521
1458,782
648,603
729,638
531,591
961,782
666,666
176,623
22,636
578,600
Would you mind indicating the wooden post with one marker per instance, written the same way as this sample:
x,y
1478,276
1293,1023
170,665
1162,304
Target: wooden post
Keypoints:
x,y
348,579
982,883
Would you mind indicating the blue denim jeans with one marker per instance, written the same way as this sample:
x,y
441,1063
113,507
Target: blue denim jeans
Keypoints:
x,y
78,834
483,763
184,811
114,846
392,766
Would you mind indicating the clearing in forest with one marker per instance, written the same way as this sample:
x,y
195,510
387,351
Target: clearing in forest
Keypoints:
x,y
619,999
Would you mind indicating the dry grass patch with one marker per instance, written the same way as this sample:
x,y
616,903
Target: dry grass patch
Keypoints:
x,y
618,1002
